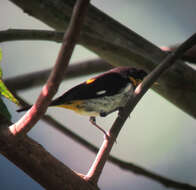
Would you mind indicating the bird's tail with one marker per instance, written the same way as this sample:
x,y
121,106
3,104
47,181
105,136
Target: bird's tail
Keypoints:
x,y
58,101
23,109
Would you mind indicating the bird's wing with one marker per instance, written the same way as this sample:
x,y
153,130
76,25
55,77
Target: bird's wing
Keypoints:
x,y
106,84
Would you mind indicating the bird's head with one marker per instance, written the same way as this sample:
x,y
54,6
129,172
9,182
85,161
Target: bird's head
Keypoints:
x,y
134,75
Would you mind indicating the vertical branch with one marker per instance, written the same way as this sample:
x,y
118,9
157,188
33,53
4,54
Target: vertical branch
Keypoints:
x,y
50,88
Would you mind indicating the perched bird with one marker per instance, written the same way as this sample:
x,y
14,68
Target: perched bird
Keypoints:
x,y
101,95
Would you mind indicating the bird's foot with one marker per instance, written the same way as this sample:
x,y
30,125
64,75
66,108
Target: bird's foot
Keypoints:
x,y
93,121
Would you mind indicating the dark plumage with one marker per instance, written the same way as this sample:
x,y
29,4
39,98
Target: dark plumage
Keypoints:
x,y
101,95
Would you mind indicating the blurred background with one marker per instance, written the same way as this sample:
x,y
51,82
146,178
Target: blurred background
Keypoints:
x,y
158,136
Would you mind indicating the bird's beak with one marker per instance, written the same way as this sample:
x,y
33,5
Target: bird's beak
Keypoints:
x,y
135,82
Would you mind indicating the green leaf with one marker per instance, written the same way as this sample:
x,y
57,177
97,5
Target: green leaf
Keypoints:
x,y
3,89
0,61
0,54
6,93
4,111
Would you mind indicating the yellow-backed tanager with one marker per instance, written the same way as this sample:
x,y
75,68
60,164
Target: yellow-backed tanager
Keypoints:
x,y
101,95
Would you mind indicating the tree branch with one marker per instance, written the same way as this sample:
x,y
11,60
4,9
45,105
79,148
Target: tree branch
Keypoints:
x,y
97,167
35,161
24,34
189,56
49,90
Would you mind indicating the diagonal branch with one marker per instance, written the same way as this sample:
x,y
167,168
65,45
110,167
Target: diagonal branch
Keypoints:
x,y
189,56
44,168
49,90
138,170
25,34
97,167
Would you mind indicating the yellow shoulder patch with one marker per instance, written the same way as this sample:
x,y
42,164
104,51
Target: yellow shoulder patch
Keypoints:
x,y
89,81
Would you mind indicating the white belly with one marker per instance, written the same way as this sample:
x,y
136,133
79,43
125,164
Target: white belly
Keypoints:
x,y
106,104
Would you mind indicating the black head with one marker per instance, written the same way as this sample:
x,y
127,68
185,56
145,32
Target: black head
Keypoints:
x,y
134,75
138,74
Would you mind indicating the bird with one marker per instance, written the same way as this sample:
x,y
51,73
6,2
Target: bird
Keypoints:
x,y
102,94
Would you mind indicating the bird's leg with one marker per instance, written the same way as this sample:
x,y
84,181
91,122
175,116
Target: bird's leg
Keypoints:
x,y
93,121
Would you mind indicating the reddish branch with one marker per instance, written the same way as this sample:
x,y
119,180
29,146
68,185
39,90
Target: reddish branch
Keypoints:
x,y
44,168
189,55
70,38
97,167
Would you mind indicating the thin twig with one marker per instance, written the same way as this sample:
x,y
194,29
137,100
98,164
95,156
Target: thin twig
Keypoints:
x,y
49,90
33,79
189,55
56,36
97,167
26,34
